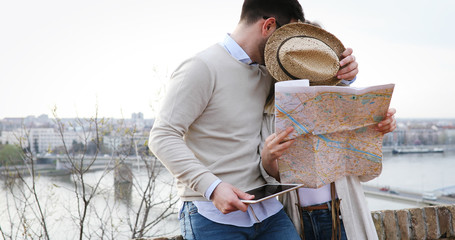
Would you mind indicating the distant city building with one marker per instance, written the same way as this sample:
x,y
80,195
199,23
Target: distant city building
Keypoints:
x,y
137,116
42,134
42,140
420,132
116,142
9,124
9,137
39,140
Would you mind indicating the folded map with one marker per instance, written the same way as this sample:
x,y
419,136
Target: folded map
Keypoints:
x,y
334,131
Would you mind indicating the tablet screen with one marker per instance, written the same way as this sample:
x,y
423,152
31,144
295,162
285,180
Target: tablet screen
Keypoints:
x,y
270,190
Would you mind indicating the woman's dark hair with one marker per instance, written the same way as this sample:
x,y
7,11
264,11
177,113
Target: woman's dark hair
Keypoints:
x,y
282,10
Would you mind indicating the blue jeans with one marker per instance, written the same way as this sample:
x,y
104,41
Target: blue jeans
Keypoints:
x,y
318,225
195,226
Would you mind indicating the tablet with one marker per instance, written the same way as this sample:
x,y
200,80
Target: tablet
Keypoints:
x,y
269,191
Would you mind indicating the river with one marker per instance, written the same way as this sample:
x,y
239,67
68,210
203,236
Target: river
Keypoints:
x,y
109,217
402,172
419,173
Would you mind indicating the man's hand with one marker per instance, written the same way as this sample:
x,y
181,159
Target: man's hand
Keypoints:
x,y
273,149
225,197
349,67
389,123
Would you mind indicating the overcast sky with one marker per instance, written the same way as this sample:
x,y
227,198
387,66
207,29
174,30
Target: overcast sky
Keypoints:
x,y
114,54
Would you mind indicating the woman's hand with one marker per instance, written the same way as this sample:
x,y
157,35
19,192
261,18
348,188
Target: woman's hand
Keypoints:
x,y
389,124
273,149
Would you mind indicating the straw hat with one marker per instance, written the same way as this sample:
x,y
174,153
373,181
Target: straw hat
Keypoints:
x,y
303,51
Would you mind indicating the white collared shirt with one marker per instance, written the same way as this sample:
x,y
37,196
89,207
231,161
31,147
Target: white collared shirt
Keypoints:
x,y
256,212
260,211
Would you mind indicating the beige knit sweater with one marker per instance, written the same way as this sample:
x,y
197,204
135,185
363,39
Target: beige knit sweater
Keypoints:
x,y
209,125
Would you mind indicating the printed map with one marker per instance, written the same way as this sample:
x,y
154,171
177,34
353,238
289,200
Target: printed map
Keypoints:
x,y
334,131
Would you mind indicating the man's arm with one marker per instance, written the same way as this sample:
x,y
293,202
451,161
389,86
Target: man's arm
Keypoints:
x,y
187,97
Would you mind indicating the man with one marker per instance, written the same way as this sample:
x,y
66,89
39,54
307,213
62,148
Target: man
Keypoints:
x,y
208,131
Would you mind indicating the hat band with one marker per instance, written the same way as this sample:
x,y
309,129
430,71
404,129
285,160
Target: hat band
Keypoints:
x,y
278,53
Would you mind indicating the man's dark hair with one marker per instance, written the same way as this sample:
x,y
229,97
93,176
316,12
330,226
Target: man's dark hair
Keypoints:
x,y
282,10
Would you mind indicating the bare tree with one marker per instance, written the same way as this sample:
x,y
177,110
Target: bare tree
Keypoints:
x,y
154,207
143,199
149,199
25,199
81,164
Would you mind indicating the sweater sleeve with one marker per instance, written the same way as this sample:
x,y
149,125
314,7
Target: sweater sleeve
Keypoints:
x,y
268,127
187,96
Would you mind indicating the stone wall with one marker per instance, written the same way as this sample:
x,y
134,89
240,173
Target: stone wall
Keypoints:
x,y
437,222
416,223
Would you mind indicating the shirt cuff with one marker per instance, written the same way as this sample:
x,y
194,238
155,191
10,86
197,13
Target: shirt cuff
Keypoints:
x,y
209,191
349,82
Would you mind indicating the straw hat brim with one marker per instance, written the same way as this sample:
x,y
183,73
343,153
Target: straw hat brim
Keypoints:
x,y
299,29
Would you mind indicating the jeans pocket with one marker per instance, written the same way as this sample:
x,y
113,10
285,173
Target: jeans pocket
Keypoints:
x,y
192,209
185,220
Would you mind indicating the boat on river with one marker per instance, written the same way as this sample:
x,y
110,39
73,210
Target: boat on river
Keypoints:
x,y
416,150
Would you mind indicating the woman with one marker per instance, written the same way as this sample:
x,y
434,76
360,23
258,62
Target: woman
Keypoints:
x,y
319,213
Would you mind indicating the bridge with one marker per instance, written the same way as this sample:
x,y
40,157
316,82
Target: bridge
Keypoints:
x,y
408,197
58,165
52,165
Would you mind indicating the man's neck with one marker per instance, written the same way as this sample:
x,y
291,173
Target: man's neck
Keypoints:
x,y
248,37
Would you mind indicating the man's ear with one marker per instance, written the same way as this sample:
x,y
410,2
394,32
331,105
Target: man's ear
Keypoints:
x,y
268,27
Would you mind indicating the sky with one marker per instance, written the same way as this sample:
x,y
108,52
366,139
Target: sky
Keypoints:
x,y
113,57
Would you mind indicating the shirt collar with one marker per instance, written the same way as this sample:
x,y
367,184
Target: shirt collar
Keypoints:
x,y
235,50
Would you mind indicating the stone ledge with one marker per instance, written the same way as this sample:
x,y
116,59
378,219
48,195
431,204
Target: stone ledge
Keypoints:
x,y
162,238
437,222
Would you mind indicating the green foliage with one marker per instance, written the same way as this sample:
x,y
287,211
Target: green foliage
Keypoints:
x,y
77,147
11,155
